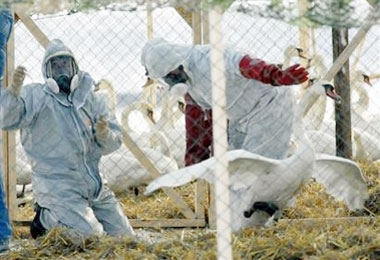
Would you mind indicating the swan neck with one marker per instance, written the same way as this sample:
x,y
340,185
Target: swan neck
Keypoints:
x,y
112,96
164,144
298,127
125,115
166,118
363,100
286,62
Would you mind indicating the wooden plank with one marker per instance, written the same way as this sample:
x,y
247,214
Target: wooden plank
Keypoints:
x,y
137,223
197,27
219,128
151,88
150,19
34,29
185,14
9,139
203,185
140,156
160,223
358,54
206,26
303,30
143,223
343,57
200,185
22,223
337,220
342,86
303,34
211,207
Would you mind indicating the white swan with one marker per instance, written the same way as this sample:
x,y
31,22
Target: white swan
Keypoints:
x,y
367,125
142,138
172,112
122,170
324,142
23,168
315,116
323,138
290,52
149,93
261,188
104,88
172,124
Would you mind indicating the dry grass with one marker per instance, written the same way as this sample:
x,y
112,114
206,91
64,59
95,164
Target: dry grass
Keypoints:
x,y
316,239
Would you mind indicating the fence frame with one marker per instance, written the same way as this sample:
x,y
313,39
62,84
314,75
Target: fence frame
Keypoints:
x,y
192,219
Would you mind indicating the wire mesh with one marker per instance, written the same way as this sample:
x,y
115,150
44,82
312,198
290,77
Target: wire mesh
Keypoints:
x,y
107,39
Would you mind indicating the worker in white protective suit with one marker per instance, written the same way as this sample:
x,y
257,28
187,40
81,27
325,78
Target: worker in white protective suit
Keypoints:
x,y
65,129
260,116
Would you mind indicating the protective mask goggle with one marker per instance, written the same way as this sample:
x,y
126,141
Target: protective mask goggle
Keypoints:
x,y
176,80
62,69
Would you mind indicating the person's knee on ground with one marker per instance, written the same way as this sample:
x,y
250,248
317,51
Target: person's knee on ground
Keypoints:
x,y
109,212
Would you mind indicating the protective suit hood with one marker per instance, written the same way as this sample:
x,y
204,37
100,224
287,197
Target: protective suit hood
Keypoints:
x,y
57,48
160,57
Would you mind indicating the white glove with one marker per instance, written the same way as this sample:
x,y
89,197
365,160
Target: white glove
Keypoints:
x,y
18,80
101,129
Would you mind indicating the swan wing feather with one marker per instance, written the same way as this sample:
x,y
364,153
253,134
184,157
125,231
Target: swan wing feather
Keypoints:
x,y
241,163
342,179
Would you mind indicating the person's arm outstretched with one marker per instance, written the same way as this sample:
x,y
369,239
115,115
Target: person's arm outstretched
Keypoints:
x,y
271,74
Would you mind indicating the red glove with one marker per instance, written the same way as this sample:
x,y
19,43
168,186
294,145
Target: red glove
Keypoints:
x,y
271,74
291,76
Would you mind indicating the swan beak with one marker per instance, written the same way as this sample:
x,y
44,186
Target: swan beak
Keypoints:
x,y
148,82
367,80
300,54
330,92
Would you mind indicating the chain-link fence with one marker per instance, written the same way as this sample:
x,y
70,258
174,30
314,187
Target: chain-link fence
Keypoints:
x,y
281,139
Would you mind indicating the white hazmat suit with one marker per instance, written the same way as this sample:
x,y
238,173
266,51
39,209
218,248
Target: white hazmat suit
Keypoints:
x,y
260,115
58,133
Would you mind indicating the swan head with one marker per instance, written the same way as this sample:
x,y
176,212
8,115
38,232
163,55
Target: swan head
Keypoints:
x,y
148,82
293,51
367,80
323,87
360,76
102,84
363,77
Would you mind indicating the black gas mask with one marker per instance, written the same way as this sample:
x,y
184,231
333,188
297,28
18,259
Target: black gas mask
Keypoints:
x,y
176,76
177,81
62,69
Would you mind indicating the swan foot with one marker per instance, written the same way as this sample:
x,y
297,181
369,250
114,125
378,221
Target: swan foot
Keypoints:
x,y
268,207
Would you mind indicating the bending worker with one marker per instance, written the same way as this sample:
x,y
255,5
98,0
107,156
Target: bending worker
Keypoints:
x,y
65,129
260,114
